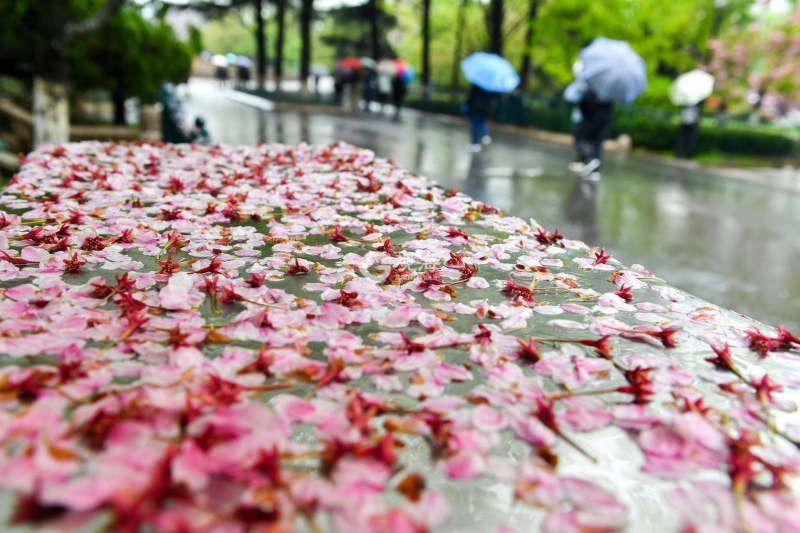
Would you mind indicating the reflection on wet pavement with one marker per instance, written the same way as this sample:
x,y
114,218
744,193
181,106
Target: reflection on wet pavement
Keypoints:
x,y
733,243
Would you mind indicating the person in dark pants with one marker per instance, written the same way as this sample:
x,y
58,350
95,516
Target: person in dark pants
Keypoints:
x,y
398,93
479,104
369,89
687,132
243,75
338,89
591,131
199,134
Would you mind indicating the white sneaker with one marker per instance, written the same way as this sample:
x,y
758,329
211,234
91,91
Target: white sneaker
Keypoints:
x,y
475,148
576,166
590,167
486,140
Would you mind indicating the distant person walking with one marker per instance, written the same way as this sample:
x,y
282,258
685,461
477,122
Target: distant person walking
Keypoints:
x,y
199,134
612,72
489,74
338,90
243,71
591,131
384,87
479,104
690,90
368,88
354,89
686,143
220,63
399,89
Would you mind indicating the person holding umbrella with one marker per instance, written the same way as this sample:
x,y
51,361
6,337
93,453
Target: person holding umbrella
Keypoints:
x,y
405,75
385,71
591,132
347,72
368,81
479,104
690,90
591,120
612,72
489,74
399,89
243,65
220,63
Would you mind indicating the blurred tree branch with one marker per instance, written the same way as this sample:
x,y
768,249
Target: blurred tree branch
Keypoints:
x,y
93,23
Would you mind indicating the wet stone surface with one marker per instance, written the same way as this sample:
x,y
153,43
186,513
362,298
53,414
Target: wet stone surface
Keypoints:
x,y
730,242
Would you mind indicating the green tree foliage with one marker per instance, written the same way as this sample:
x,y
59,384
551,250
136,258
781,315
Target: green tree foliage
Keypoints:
x,y
195,40
24,26
234,33
671,36
130,57
348,30
445,21
761,58
230,34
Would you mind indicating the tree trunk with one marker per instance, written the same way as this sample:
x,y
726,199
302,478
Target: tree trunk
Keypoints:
x,y
50,97
281,17
426,46
374,30
261,50
306,14
497,14
119,105
50,112
462,18
525,71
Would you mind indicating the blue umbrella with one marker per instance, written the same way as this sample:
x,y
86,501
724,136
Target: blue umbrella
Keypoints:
x,y
613,70
490,72
408,74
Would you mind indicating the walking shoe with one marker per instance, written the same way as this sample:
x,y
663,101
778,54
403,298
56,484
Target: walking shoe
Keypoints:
x,y
590,167
475,148
486,140
577,166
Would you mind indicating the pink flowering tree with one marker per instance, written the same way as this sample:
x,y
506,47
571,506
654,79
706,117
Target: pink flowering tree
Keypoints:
x,y
760,59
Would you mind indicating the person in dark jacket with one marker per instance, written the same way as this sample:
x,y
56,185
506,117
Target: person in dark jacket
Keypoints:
x,y
687,132
369,89
398,93
592,130
479,104
199,134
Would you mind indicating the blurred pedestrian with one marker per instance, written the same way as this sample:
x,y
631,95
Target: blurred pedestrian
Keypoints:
x,y
686,142
315,77
338,90
220,63
354,88
369,88
199,134
722,114
243,71
590,133
384,87
399,88
479,104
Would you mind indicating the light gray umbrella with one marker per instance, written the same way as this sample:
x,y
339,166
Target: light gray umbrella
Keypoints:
x,y
318,69
613,70
691,88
